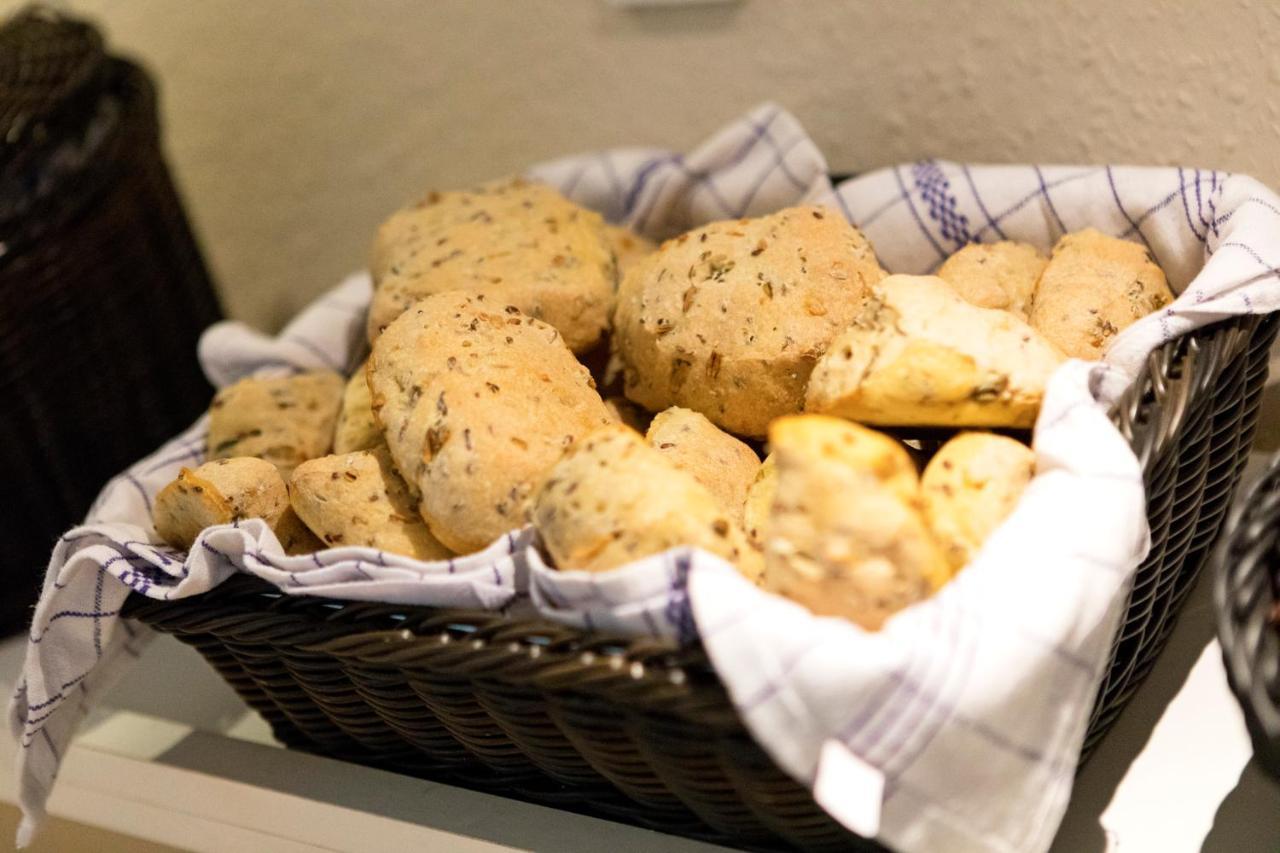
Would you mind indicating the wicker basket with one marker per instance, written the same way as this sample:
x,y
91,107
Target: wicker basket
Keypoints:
x,y
1247,594
639,730
103,289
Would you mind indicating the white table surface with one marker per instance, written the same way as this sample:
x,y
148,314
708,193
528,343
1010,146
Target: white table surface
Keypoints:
x,y
173,756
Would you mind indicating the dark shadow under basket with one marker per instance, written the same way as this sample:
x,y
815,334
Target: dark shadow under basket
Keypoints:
x,y
1246,590
641,731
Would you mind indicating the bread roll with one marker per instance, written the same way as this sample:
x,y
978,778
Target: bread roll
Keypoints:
x,y
628,248
357,429
514,242
218,492
759,502
477,401
840,539
721,463
922,356
995,275
970,487
613,499
285,421
294,535
1093,287
852,446
359,499
729,319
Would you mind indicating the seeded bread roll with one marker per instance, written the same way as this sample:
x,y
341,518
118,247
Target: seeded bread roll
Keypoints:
x,y
840,539
477,401
514,242
729,319
1093,287
359,499
970,487
759,502
356,429
854,447
922,356
995,275
613,499
628,247
723,465
218,492
284,421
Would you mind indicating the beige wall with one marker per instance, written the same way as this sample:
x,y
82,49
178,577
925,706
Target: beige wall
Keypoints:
x,y
294,127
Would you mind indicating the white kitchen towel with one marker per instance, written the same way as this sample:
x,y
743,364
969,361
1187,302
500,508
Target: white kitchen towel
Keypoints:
x,y
78,646
957,726
968,710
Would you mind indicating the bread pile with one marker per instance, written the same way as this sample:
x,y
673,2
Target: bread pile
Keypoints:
x,y
476,413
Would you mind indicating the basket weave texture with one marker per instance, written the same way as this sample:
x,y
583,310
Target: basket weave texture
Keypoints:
x,y
640,730
102,288
1246,586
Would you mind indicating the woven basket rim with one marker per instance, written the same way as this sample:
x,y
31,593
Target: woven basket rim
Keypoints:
x,y
533,701
1148,414
1246,571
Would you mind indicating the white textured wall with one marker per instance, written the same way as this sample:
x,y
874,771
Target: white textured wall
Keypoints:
x,y
295,126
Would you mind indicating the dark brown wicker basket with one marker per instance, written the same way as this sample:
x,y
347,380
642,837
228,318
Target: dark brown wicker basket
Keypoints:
x,y
102,289
1246,588
642,731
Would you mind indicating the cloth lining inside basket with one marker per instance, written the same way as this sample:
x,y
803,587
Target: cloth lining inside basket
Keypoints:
x,y
973,704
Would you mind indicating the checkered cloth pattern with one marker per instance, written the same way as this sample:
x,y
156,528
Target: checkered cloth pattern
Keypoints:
x,y
79,646
955,727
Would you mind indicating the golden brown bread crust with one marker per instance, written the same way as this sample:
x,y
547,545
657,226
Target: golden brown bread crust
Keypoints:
x,y
516,242
218,492
729,319
613,499
995,275
721,463
477,401
920,355
359,499
970,487
1093,287
628,247
294,535
759,502
285,421
356,429
840,539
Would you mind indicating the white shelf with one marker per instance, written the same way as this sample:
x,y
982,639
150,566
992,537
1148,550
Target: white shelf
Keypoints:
x,y
163,780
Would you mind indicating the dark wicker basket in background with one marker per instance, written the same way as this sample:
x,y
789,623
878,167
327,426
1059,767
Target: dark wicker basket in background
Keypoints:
x,y
102,289
642,731
1247,594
